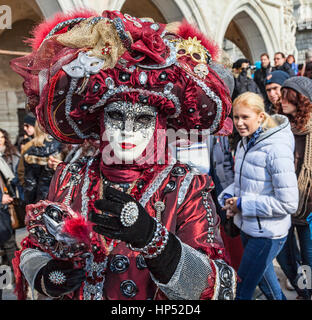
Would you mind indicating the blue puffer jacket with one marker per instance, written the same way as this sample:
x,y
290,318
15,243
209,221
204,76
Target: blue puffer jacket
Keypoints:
x,y
266,182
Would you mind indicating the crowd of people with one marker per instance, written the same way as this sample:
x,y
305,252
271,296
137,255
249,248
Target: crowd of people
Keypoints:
x,y
172,227
269,196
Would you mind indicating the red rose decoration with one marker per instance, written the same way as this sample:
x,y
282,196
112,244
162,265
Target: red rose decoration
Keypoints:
x,y
153,41
151,45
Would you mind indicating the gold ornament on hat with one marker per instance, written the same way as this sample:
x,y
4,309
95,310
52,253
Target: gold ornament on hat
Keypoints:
x,y
192,48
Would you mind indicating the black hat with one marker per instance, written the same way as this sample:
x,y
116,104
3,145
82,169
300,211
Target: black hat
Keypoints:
x,y
237,64
30,119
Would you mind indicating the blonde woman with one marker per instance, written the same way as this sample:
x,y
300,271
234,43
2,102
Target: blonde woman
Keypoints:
x,y
264,193
33,168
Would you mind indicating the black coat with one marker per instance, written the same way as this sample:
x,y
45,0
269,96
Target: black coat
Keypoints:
x,y
243,84
260,77
38,175
286,67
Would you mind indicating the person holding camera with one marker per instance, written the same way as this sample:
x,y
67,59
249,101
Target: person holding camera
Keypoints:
x,y
243,81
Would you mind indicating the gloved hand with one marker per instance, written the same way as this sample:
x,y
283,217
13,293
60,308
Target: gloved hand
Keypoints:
x,y
59,278
138,235
109,224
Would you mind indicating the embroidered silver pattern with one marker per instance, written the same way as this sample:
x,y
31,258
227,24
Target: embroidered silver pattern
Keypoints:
x,y
133,20
212,96
209,217
225,286
74,180
85,187
116,90
89,289
110,83
64,173
156,184
128,117
184,187
68,105
215,98
168,87
190,277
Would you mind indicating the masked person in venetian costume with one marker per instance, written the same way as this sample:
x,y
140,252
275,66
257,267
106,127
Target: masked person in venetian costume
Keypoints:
x,y
131,222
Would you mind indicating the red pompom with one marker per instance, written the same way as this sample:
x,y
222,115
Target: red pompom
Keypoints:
x,y
42,30
186,30
78,228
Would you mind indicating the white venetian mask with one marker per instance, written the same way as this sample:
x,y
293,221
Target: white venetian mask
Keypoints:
x,y
129,128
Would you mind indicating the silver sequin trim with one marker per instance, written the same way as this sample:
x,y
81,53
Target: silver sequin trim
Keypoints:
x,y
184,187
90,289
64,173
190,277
212,96
68,105
116,90
85,187
209,217
156,184
225,285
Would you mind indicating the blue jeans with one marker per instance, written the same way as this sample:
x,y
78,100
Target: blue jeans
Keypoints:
x,y
290,258
256,268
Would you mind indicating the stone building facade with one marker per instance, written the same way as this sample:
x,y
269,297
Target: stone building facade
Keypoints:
x,y
253,26
303,18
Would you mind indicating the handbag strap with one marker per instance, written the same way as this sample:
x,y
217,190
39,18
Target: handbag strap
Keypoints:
x,y
2,185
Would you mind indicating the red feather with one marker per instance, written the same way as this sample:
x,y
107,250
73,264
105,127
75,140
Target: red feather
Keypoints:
x,y
79,229
43,29
187,30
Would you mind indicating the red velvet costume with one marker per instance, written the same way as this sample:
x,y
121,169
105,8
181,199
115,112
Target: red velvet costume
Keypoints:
x,y
187,95
189,221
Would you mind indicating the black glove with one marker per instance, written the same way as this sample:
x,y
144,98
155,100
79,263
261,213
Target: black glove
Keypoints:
x,y
138,235
109,224
71,279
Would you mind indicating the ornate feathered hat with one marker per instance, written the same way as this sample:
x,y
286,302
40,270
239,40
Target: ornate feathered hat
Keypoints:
x,y
81,62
